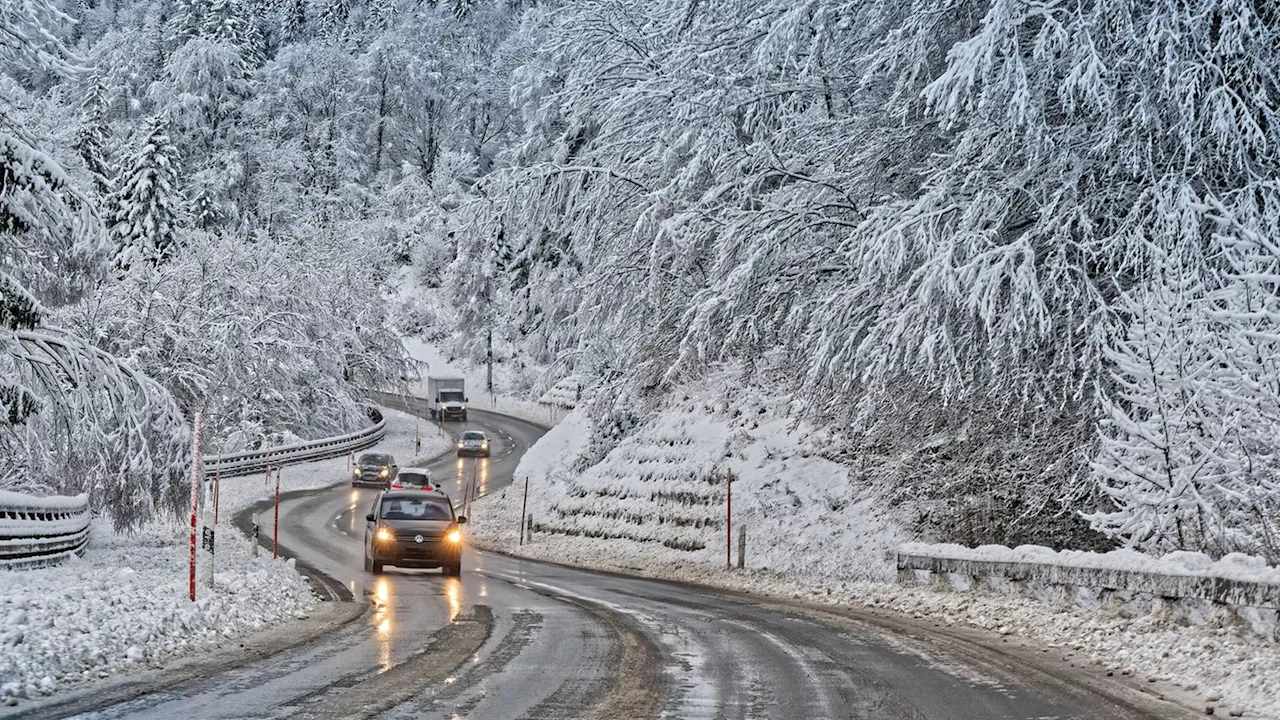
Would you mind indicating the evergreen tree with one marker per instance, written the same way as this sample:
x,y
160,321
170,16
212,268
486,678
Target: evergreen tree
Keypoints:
x,y
294,21
334,15
91,140
463,8
145,207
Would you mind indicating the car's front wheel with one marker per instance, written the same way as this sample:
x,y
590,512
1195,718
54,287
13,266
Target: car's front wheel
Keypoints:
x,y
375,567
453,570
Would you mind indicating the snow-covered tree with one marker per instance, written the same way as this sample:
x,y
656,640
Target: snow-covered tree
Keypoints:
x,y
127,442
146,203
1161,461
92,140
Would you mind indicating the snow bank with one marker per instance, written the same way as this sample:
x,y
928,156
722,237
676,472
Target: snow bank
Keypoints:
x,y
658,500
125,605
8,498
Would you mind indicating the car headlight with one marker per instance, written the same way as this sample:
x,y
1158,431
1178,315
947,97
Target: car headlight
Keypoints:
x,y
455,537
357,472
460,446
383,472
383,535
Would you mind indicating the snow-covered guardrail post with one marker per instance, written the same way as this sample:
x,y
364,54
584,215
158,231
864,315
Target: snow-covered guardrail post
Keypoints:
x,y
1235,581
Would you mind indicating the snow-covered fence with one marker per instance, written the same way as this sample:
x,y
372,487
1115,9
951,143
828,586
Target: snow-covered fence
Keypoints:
x,y
38,531
1236,580
255,461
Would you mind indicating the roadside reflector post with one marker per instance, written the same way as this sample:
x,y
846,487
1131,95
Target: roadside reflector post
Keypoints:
x,y
275,532
524,504
253,544
728,520
217,488
742,546
195,497
529,528
207,531
266,475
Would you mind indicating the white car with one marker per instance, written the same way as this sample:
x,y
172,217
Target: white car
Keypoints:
x,y
414,479
473,442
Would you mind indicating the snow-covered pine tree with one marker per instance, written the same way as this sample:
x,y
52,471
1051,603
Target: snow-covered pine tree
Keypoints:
x,y
1161,460
333,17
382,14
189,18
293,21
91,139
146,203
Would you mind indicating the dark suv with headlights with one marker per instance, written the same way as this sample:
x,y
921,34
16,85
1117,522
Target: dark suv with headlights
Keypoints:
x,y
413,529
377,469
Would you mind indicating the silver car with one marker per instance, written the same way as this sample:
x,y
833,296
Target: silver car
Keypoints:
x,y
473,442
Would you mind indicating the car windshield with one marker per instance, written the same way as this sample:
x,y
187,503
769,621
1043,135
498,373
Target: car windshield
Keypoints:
x,y
472,435
375,459
415,509
416,477
450,396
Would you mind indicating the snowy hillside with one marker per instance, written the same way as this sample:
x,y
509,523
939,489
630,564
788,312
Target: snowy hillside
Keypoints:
x,y
659,495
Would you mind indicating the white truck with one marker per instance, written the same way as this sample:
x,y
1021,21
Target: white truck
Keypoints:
x,y
447,398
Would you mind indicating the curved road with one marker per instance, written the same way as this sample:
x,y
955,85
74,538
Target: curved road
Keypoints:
x,y
519,639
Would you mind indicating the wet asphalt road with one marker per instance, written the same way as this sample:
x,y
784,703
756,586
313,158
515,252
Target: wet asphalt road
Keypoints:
x,y
520,639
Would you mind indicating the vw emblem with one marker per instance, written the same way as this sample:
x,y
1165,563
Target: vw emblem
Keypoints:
x,y
417,538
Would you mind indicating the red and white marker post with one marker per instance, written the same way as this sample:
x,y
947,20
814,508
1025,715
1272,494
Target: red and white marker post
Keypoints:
x,y
195,495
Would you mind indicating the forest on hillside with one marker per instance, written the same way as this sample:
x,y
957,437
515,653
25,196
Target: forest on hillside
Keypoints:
x,y
1022,254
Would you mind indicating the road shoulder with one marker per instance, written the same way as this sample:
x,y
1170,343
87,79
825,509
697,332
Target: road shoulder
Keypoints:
x,y
325,619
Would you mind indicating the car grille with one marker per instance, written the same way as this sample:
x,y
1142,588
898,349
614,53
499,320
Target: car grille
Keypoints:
x,y
409,537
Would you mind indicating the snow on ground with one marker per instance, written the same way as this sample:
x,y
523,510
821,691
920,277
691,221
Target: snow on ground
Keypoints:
x,y
124,604
814,536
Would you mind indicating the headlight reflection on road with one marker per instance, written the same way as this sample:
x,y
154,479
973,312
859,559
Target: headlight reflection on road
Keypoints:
x,y
453,591
381,593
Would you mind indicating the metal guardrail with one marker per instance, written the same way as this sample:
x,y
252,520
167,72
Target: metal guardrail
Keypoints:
x,y
255,461
1216,589
42,531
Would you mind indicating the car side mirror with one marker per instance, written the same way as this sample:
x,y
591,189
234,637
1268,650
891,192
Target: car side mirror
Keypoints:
x,y
462,519
368,517
466,399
